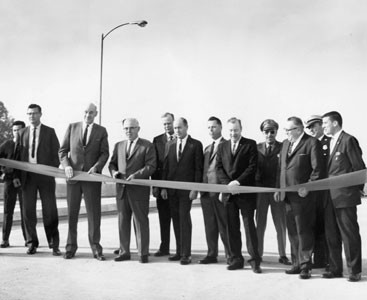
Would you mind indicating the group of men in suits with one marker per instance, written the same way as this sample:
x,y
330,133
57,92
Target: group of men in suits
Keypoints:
x,y
318,223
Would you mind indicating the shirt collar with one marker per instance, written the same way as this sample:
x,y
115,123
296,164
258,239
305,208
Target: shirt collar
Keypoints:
x,y
336,135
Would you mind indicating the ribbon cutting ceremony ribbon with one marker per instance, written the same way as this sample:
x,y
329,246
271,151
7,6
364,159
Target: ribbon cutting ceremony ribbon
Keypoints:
x,y
350,179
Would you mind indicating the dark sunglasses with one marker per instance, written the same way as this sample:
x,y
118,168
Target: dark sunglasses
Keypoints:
x,y
269,131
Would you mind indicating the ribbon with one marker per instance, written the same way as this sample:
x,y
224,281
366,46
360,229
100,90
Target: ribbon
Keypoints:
x,y
345,180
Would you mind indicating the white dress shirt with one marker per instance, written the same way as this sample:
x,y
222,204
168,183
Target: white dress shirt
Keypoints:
x,y
334,139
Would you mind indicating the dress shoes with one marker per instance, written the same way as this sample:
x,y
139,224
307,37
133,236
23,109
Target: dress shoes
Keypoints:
x,y
354,277
143,259
161,253
305,274
185,260
69,255
116,252
208,260
229,260
284,260
235,265
293,271
4,244
99,256
175,257
122,257
257,269
331,275
32,250
56,252
255,266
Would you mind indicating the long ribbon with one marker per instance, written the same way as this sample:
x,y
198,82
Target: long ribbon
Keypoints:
x,y
345,180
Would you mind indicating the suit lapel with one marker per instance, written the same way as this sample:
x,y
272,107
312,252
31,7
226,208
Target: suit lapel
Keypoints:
x,y
137,145
335,147
301,142
187,145
92,134
40,136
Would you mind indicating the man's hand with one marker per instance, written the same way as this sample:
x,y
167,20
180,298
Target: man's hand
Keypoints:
x,y
277,197
233,184
116,174
164,194
193,195
155,192
69,172
16,182
302,192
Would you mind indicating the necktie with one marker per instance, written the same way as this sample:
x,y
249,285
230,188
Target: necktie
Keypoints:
x,y
85,135
128,153
15,153
234,148
268,151
211,151
179,150
170,137
34,142
290,149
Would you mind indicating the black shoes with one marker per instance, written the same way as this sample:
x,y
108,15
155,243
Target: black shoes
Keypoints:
x,y
56,251
354,277
143,259
185,260
32,250
69,255
235,265
331,275
161,253
175,257
284,260
123,257
99,256
305,274
293,271
208,260
4,244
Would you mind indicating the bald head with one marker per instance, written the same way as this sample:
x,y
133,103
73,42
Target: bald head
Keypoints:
x,y
90,113
131,128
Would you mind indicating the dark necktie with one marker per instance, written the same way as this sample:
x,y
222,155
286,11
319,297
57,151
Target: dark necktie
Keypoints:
x,y
15,153
290,149
179,150
85,135
211,151
268,150
34,142
170,138
128,153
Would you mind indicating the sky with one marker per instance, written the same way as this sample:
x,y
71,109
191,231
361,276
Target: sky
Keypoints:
x,y
196,58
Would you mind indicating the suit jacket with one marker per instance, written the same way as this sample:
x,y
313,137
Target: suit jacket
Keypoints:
x,y
7,150
303,165
210,171
345,158
190,166
267,166
241,166
141,163
160,143
48,146
94,154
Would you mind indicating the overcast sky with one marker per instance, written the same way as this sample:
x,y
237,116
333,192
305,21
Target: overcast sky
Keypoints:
x,y
196,58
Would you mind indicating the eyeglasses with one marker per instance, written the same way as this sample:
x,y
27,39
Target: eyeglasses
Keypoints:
x,y
290,129
129,128
269,131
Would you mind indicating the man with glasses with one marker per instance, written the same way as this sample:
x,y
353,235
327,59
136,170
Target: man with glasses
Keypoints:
x,y
266,175
183,162
320,255
300,162
38,144
84,148
133,158
341,223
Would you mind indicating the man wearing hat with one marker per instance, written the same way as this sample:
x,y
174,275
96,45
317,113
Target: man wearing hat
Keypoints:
x,y
320,254
268,159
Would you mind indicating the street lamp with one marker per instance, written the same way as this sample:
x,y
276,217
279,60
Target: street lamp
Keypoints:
x,y
141,23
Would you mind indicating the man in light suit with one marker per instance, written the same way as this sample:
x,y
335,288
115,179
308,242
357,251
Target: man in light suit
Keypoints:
x,y
84,148
215,219
300,162
164,212
236,165
134,158
266,175
341,223
38,144
183,162
320,255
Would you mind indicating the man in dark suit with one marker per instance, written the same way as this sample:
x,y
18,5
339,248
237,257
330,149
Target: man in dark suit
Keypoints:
x,y
12,189
341,223
183,162
134,158
300,162
267,166
84,148
320,253
236,165
215,219
38,144
164,212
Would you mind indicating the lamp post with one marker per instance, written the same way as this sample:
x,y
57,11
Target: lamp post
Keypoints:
x,y
142,23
